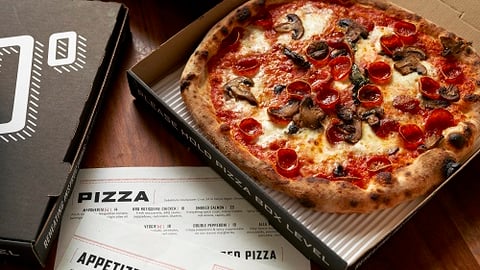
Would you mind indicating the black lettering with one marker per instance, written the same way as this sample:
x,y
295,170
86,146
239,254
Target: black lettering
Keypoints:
x,y
91,259
141,196
125,196
84,196
108,196
100,262
82,258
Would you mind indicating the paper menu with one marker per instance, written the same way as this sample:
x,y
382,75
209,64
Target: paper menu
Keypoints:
x,y
103,243
186,203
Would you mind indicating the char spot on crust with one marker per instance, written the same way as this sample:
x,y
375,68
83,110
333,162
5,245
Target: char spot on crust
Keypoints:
x,y
203,54
243,14
224,30
384,178
408,193
354,203
374,196
185,83
306,202
449,167
224,128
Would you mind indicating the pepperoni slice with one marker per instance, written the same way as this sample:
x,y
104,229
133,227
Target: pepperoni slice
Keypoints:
x,y
406,103
379,72
327,98
386,127
247,66
452,73
412,136
370,96
406,31
438,120
299,89
334,133
378,163
321,78
429,87
341,67
287,162
390,43
250,129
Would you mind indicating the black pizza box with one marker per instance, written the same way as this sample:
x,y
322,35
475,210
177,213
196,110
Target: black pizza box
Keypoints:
x,y
55,61
333,241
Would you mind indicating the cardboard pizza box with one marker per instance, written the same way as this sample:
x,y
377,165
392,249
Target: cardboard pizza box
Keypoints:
x,y
55,61
333,241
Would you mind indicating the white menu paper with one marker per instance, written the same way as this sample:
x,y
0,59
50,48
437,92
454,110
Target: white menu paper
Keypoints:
x,y
107,244
191,204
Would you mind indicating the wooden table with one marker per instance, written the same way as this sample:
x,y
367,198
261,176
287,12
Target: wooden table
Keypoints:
x,y
445,234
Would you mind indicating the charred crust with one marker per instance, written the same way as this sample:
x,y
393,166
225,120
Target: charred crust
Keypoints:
x,y
306,202
457,140
203,54
185,82
224,128
243,14
354,203
449,167
224,30
374,196
384,178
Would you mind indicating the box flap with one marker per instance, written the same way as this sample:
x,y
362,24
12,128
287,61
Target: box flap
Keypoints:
x,y
459,17
52,51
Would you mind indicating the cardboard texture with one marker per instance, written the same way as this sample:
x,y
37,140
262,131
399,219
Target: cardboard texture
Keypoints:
x,y
332,241
55,60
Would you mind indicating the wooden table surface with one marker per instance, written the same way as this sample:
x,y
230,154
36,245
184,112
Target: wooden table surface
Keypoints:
x,y
444,234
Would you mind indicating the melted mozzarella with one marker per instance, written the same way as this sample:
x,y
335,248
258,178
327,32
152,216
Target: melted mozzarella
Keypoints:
x,y
314,21
254,42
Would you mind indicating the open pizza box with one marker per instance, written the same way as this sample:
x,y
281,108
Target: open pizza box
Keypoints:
x,y
333,241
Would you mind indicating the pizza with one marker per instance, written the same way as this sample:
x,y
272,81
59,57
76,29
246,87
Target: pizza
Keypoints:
x,y
345,106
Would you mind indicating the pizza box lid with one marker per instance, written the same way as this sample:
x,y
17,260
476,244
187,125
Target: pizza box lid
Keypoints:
x,y
333,241
55,61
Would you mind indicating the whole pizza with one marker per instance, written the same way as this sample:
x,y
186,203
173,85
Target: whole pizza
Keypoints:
x,y
346,106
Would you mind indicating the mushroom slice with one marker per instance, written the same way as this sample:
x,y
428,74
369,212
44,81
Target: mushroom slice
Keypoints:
x,y
410,64
239,88
293,24
450,92
318,50
310,115
354,131
452,45
408,60
355,31
373,116
285,112
350,132
409,51
296,58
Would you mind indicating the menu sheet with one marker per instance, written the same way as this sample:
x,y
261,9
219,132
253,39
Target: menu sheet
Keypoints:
x,y
192,204
106,244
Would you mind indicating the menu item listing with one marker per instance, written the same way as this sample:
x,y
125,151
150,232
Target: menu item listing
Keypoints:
x,y
185,203
107,244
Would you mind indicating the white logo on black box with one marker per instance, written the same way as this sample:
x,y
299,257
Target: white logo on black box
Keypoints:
x,y
66,53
